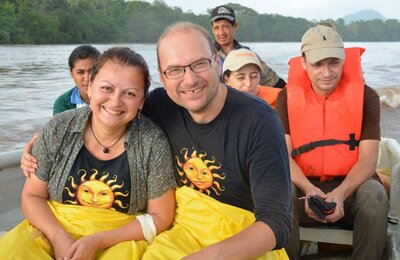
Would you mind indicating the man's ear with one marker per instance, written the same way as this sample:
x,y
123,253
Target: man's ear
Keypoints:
x,y
303,62
235,26
161,77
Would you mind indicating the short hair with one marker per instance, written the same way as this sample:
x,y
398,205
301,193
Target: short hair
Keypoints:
x,y
126,57
184,27
82,52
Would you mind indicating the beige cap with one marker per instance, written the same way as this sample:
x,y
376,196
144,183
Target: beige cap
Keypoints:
x,y
321,42
238,58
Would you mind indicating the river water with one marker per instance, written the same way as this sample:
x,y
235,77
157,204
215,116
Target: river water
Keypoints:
x,y
32,76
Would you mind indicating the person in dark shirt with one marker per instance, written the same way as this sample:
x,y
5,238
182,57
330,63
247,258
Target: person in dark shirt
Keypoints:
x,y
226,145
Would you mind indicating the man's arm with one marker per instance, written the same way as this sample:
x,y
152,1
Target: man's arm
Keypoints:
x,y
251,242
298,177
269,77
302,182
269,180
362,171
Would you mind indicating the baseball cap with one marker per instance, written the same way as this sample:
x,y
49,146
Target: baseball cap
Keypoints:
x,y
223,12
321,42
238,58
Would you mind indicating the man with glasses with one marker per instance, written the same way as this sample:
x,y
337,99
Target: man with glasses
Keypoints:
x,y
226,145
229,153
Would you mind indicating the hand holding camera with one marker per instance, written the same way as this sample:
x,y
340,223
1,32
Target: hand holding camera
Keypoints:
x,y
320,207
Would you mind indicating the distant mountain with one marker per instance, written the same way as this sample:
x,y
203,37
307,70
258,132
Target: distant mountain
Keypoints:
x,y
364,15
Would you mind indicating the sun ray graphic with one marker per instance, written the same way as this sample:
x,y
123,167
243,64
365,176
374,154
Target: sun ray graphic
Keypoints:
x,y
198,173
96,192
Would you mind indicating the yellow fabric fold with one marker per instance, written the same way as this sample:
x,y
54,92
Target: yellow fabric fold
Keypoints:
x,y
201,221
27,242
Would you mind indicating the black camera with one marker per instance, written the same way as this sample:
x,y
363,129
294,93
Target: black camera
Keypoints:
x,y
320,206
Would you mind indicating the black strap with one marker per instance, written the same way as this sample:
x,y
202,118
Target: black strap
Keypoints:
x,y
352,143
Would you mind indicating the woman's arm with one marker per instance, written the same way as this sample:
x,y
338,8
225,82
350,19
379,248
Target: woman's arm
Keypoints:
x,y
161,210
38,213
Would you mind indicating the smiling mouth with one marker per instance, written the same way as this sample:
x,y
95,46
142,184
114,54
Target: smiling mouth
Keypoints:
x,y
113,112
192,91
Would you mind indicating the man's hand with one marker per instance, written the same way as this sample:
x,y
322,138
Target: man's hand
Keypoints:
x,y
310,191
338,213
29,163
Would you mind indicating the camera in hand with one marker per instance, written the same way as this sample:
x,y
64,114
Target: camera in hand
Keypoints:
x,y
320,206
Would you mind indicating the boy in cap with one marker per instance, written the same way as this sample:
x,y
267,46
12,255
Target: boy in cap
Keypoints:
x,y
224,26
241,71
332,125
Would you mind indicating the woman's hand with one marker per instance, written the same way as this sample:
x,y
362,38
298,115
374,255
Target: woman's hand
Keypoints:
x,y
61,243
86,247
29,163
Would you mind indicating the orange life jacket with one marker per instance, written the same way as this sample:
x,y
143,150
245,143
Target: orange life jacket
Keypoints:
x,y
313,119
269,94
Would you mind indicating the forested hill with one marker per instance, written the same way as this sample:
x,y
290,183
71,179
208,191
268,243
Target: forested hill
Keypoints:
x,y
119,21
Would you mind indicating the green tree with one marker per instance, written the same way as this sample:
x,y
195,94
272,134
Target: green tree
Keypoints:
x,y
113,21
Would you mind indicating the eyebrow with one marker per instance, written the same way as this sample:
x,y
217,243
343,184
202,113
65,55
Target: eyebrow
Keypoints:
x,y
177,66
131,87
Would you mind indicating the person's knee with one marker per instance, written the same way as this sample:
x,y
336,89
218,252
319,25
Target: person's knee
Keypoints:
x,y
371,200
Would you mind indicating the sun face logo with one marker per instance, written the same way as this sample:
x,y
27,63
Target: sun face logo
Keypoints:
x,y
198,173
95,192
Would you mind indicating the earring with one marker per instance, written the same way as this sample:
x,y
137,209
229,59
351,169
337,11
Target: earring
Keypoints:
x,y
138,113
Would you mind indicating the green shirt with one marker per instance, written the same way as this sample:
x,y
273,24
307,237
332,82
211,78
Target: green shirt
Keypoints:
x,y
63,102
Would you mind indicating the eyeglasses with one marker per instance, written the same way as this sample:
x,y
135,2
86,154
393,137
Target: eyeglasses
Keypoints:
x,y
196,67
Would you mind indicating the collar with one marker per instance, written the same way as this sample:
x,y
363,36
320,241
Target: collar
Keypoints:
x,y
77,99
236,45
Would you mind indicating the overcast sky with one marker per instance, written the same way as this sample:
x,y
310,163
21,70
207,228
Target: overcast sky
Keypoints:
x,y
309,9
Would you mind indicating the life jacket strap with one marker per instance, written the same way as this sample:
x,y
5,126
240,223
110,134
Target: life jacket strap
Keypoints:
x,y
352,143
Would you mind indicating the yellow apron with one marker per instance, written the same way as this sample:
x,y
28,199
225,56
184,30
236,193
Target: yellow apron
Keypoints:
x,y
201,221
26,242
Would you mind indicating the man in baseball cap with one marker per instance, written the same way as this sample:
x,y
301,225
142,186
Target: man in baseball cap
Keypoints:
x,y
321,42
223,12
331,121
224,27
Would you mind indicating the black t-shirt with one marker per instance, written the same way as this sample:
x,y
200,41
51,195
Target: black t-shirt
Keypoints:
x,y
96,183
239,158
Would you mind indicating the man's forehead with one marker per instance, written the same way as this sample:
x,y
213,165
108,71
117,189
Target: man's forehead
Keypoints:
x,y
180,48
326,60
221,22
